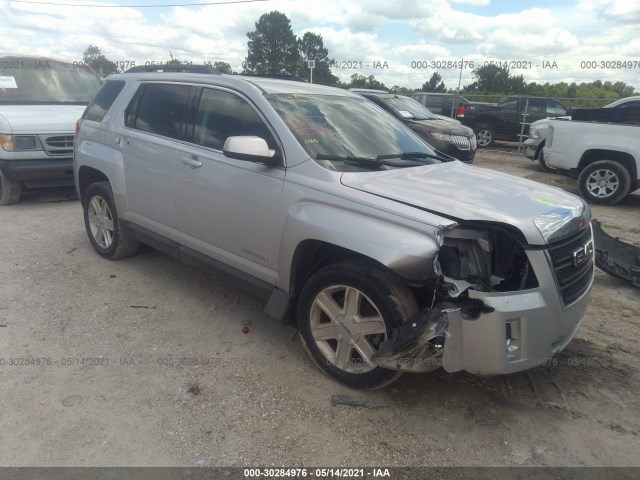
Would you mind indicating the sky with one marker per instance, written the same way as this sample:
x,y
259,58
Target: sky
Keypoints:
x,y
401,42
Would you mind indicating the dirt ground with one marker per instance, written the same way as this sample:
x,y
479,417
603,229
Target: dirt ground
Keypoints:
x,y
144,362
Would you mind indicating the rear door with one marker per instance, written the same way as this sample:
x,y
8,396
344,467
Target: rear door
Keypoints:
x,y
154,129
229,210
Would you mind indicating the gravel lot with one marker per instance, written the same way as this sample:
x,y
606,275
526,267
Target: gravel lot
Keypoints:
x,y
144,362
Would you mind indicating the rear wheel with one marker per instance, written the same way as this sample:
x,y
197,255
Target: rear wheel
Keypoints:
x,y
105,230
345,311
604,182
485,136
10,191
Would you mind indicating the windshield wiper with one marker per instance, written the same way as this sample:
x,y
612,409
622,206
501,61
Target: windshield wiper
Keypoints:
x,y
414,155
372,162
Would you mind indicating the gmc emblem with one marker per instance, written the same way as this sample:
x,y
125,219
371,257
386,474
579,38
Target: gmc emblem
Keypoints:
x,y
583,254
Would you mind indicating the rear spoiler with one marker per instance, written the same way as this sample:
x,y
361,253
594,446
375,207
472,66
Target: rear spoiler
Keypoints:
x,y
616,257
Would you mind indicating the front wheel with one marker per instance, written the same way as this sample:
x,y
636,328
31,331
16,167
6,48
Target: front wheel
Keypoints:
x,y
604,182
485,137
345,311
105,231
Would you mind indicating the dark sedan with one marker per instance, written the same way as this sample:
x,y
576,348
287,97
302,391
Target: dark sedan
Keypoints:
x,y
446,136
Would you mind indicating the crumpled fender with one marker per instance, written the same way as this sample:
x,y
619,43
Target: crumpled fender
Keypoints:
x,y
616,257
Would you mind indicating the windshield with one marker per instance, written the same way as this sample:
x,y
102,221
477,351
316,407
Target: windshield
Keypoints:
x,y
329,125
33,81
406,104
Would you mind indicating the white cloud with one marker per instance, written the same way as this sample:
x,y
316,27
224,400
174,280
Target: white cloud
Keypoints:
x,y
623,11
395,31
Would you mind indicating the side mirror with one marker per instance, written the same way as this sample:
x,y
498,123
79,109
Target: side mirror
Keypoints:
x,y
250,149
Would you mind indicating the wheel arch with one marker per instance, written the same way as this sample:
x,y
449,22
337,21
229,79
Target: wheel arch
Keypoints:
x,y
536,156
624,158
88,176
311,255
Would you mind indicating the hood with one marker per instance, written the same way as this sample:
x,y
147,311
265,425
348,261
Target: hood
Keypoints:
x,y
448,119
41,118
544,122
439,126
467,193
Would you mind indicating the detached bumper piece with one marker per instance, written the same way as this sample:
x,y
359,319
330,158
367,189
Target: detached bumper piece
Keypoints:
x,y
615,257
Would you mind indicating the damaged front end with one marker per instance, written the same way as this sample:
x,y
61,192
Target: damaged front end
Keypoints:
x,y
493,305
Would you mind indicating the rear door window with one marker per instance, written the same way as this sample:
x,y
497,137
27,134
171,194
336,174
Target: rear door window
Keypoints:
x,y
161,108
103,100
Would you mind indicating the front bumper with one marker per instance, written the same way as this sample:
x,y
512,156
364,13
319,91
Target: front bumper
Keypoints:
x,y
535,321
529,152
45,172
530,148
480,347
452,150
539,323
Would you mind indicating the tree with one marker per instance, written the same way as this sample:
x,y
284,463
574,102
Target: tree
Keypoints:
x,y
223,67
362,81
96,60
312,47
398,90
272,47
491,78
435,84
620,88
174,60
517,84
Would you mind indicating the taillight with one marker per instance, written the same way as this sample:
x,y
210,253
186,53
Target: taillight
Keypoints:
x,y
75,134
460,111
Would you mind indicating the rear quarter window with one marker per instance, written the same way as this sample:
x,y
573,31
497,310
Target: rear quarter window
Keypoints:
x,y
103,100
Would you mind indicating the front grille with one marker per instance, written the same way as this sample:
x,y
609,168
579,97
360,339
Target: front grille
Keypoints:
x,y
461,142
572,280
58,144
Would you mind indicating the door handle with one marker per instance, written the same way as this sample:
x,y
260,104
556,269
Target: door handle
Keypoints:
x,y
192,161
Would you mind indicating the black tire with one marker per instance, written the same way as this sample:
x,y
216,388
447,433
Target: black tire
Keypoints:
x,y
383,298
10,191
604,182
543,163
485,136
112,243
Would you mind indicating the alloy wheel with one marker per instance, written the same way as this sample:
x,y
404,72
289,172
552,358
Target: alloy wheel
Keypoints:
x,y
347,328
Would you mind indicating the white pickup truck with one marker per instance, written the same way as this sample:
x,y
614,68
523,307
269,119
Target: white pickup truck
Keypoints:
x,y
602,153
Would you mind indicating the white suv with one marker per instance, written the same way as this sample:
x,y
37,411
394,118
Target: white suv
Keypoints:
x,y
40,101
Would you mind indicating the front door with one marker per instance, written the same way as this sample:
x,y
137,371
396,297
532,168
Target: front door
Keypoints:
x,y
229,209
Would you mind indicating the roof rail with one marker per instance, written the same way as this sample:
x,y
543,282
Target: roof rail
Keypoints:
x,y
174,67
279,76
367,90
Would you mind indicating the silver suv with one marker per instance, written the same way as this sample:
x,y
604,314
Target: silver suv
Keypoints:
x,y
386,257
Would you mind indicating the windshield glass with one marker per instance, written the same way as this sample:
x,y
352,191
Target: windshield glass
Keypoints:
x,y
33,81
344,126
406,104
